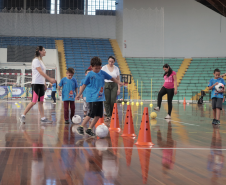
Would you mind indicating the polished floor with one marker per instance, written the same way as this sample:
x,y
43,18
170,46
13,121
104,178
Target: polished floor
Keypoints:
x,y
188,150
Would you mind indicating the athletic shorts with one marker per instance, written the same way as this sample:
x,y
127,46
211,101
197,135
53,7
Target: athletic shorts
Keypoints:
x,y
38,92
96,109
85,105
217,103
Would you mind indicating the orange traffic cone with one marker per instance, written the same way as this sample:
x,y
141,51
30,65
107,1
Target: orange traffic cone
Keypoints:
x,y
144,138
114,140
128,126
128,144
100,122
144,156
184,101
114,126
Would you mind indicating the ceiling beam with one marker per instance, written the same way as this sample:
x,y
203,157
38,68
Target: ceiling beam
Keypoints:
x,y
220,5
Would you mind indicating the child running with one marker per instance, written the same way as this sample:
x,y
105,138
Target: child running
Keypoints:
x,y
70,86
85,104
94,84
217,97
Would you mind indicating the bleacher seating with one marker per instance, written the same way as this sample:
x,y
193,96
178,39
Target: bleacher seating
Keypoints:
x,y
47,42
145,69
198,75
78,51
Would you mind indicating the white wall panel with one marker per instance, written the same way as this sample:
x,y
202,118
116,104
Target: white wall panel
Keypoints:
x,y
65,25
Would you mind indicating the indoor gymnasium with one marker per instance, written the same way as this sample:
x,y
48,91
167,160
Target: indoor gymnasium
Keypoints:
x,y
112,92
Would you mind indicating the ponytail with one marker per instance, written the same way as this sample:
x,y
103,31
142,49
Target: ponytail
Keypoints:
x,y
37,54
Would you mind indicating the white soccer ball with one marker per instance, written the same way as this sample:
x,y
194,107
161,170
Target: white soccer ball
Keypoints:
x,y
102,131
76,119
219,87
101,144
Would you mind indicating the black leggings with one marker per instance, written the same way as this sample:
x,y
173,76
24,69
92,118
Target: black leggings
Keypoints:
x,y
170,94
53,96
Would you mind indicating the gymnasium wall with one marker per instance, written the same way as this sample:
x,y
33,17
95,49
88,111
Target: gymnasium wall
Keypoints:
x,y
190,30
64,25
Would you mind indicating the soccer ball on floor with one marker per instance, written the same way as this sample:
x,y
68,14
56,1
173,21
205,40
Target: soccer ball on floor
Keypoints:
x,y
219,87
102,131
76,119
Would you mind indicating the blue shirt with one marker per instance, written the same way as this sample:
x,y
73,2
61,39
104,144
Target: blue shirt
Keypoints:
x,y
95,86
69,86
54,87
81,84
214,93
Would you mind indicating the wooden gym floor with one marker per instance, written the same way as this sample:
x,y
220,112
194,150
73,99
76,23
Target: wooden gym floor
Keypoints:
x,y
188,150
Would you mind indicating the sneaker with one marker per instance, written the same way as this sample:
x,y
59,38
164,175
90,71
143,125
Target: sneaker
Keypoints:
x,y
54,102
156,109
22,119
90,133
108,119
80,130
45,121
214,121
168,116
66,122
217,122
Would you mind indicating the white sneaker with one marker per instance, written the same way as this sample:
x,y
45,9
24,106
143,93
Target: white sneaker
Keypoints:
x,y
22,119
46,121
156,109
54,102
168,116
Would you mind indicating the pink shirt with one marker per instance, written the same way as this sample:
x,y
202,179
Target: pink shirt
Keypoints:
x,y
169,81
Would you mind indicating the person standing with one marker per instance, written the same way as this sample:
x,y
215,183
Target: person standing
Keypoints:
x,y
69,90
111,88
38,84
169,88
53,94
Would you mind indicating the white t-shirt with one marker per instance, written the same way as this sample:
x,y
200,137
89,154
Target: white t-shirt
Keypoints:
x,y
36,77
115,73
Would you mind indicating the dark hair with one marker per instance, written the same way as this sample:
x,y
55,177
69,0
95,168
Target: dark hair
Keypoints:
x,y
39,48
87,70
111,58
95,61
71,70
216,70
169,72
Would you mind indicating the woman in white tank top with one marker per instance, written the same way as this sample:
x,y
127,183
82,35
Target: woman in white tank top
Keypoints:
x,y
38,84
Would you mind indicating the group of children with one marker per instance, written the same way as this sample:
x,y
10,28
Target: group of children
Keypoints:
x,y
92,92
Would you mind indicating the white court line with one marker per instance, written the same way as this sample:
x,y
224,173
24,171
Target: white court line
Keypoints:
x,y
138,147
174,121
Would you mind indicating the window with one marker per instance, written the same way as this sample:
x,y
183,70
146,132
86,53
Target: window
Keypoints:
x,y
52,9
94,5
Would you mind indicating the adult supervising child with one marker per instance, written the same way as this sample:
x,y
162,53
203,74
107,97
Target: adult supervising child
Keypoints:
x,y
217,97
39,87
70,87
85,104
94,85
